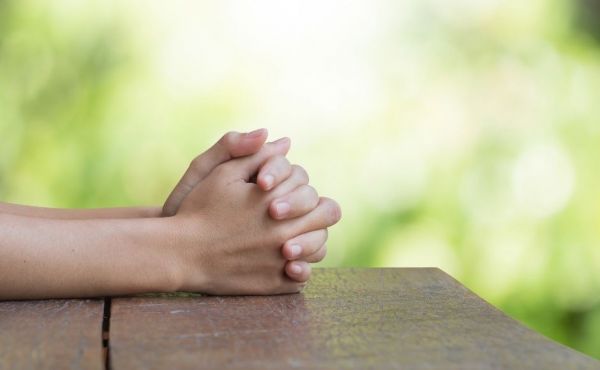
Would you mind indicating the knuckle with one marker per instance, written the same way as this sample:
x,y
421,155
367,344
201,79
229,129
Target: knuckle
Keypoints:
x,y
317,255
334,212
286,166
310,192
324,235
227,140
281,235
321,253
279,163
300,173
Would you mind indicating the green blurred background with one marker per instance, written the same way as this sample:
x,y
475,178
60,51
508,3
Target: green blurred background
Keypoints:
x,y
460,134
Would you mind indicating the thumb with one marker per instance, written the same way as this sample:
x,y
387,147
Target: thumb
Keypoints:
x,y
231,145
248,166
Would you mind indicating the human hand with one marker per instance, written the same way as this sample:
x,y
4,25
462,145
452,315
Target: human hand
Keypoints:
x,y
231,145
229,244
304,248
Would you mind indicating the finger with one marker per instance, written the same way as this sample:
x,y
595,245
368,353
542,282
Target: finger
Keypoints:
x,y
290,286
284,284
273,172
234,144
298,202
231,145
245,168
298,271
304,245
318,256
298,177
327,214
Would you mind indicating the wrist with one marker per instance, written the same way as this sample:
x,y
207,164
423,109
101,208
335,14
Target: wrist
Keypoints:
x,y
162,260
189,237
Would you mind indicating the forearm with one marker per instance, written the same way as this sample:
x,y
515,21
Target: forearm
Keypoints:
x,y
46,258
73,214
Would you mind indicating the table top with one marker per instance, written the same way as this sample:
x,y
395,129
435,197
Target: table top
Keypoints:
x,y
403,318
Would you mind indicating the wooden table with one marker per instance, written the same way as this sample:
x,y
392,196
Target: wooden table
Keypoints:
x,y
346,318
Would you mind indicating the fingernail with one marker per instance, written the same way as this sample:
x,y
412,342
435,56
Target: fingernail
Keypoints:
x,y
268,180
255,133
295,250
282,208
296,269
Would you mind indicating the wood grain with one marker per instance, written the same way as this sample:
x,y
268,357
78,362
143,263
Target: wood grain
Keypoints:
x,y
346,318
51,334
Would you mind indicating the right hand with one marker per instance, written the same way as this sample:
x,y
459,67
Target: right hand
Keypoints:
x,y
230,244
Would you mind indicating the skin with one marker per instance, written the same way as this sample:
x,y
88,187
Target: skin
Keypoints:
x,y
244,243
78,214
123,251
304,248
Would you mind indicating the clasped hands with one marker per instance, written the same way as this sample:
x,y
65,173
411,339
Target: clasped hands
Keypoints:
x,y
256,217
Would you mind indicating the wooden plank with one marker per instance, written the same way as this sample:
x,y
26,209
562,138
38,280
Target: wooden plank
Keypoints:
x,y
51,334
346,318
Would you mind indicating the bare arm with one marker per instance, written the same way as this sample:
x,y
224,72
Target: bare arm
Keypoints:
x,y
221,242
72,214
46,252
43,258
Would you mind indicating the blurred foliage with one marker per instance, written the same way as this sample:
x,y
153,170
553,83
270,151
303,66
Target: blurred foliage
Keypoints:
x,y
459,134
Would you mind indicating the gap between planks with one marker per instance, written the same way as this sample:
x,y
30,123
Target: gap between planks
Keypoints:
x,y
106,333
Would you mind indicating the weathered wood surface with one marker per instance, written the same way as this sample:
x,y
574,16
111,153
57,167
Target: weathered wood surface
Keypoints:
x,y
51,334
346,318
